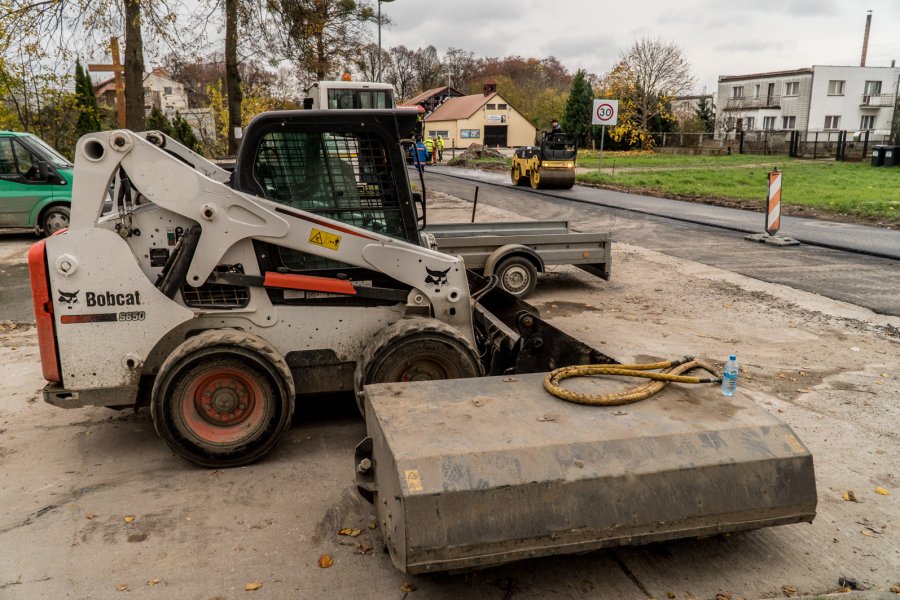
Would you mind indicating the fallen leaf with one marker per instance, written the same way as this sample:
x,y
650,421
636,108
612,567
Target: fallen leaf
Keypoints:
x,y
152,582
867,533
122,587
670,594
895,588
345,531
216,474
355,533
782,376
252,586
880,490
90,516
885,375
363,548
788,590
723,596
372,525
129,518
407,588
325,561
849,496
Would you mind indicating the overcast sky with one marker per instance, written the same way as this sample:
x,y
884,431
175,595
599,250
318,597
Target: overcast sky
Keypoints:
x,y
720,37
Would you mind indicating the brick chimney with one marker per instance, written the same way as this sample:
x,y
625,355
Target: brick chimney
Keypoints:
x,y
490,87
865,49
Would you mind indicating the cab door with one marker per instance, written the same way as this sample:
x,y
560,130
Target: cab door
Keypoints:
x,y
21,186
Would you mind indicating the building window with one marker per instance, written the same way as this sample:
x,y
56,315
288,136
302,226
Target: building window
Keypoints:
x,y
792,88
167,91
491,106
867,122
751,123
502,107
443,134
469,133
768,122
788,122
832,121
836,87
873,88
756,92
737,91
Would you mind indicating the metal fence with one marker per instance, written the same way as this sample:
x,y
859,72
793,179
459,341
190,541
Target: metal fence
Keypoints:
x,y
838,145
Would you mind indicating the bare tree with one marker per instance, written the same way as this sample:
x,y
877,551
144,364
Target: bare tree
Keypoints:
x,y
400,71
320,36
366,62
659,71
460,66
428,68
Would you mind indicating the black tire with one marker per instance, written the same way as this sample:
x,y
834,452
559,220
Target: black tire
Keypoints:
x,y
516,176
223,398
517,275
415,350
53,219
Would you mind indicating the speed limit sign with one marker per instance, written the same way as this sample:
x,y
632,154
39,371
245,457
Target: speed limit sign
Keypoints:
x,y
606,112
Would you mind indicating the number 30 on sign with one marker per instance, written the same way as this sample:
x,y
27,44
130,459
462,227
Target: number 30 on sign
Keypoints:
x,y
606,112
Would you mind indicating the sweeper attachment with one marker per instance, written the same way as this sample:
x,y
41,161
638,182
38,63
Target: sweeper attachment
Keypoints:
x,y
467,474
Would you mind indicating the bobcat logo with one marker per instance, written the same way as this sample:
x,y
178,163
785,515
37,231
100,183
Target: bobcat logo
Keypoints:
x,y
436,278
68,298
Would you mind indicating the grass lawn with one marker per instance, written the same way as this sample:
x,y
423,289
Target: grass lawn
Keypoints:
x,y
850,188
588,158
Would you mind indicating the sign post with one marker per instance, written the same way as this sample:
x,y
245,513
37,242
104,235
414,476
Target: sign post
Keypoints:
x,y
773,214
773,203
606,112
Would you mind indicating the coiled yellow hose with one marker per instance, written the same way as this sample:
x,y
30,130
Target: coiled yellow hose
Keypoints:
x,y
671,371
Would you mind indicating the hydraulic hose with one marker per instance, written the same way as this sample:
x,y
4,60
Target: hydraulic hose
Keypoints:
x,y
669,371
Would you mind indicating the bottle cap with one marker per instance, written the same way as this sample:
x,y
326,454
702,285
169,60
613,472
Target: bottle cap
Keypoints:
x,y
732,357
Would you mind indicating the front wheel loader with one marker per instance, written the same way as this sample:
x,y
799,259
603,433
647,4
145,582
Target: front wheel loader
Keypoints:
x,y
226,302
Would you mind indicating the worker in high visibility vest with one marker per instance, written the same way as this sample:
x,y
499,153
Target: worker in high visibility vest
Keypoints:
x,y
440,148
429,146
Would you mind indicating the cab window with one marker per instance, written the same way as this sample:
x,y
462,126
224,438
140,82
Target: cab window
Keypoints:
x,y
17,162
342,176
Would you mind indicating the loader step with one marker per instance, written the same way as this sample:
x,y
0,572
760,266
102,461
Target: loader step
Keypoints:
x,y
470,473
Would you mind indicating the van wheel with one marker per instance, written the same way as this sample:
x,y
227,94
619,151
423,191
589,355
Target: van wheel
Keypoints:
x,y
517,275
223,398
53,219
415,350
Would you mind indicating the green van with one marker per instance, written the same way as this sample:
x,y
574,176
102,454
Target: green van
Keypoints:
x,y
35,184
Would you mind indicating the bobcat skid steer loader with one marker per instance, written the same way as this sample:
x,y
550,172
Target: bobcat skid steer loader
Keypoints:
x,y
221,300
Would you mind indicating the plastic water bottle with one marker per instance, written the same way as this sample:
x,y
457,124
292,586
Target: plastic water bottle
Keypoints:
x,y
730,376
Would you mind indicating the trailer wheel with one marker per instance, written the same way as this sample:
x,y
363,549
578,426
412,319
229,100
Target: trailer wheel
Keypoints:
x,y
517,275
415,350
223,398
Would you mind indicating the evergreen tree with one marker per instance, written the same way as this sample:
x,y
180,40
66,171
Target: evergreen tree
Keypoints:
x,y
576,119
184,133
86,102
706,113
157,121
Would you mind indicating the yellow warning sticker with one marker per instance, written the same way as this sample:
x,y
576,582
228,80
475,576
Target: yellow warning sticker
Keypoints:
x,y
413,483
794,444
324,239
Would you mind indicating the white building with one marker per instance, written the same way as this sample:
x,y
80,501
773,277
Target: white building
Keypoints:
x,y
159,90
819,98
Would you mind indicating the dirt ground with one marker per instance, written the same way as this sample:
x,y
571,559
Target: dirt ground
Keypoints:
x,y
92,502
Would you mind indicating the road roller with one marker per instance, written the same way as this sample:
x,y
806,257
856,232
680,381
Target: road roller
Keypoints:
x,y
550,166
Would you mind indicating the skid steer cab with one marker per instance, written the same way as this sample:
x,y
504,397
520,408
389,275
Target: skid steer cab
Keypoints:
x,y
222,300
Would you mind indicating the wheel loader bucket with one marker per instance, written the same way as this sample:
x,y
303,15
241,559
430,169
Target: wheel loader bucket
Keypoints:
x,y
471,473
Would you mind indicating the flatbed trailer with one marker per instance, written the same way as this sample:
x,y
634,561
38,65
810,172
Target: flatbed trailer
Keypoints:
x,y
517,251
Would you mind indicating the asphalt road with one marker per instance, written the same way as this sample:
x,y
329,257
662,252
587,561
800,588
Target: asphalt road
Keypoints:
x,y
849,276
